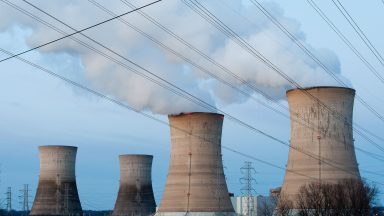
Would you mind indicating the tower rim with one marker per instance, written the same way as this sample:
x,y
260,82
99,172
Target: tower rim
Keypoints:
x,y
319,87
57,146
193,113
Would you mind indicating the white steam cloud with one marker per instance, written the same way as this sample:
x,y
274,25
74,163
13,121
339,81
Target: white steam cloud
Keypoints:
x,y
113,79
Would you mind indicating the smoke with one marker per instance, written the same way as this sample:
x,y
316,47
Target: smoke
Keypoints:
x,y
118,81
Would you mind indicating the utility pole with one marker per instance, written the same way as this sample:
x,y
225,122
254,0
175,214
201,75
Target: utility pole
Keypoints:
x,y
9,199
247,190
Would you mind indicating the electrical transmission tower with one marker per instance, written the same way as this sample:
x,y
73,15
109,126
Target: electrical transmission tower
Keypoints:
x,y
9,199
24,198
247,190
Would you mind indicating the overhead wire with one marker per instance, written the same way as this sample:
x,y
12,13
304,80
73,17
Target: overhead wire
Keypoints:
x,y
114,100
159,81
344,39
349,44
274,138
213,108
149,115
125,106
359,31
209,17
378,157
113,52
196,65
309,53
313,56
180,39
79,31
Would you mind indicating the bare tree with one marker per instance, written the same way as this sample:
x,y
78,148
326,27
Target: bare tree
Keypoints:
x,y
284,206
315,199
348,197
267,206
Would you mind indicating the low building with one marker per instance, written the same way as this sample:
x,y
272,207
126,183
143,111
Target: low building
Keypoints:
x,y
253,206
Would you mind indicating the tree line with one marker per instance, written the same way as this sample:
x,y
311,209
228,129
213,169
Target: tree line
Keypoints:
x,y
347,197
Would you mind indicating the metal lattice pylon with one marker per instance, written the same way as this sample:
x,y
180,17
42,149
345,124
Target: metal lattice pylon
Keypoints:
x,y
9,199
247,190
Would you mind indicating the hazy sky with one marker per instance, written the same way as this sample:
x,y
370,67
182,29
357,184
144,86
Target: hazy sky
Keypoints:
x,y
37,109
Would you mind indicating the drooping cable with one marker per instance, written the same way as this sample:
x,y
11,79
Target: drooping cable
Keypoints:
x,y
314,57
230,117
344,39
209,17
125,106
79,31
358,31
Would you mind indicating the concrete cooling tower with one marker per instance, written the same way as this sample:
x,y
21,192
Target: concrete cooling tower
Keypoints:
x,y
57,191
195,182
135,197
323,133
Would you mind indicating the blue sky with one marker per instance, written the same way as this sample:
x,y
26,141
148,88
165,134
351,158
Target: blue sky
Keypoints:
x,y
37,109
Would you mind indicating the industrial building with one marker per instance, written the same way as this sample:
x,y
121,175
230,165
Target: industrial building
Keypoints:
x,y
195,183
135,197
253,206
57,191
322,147
256,205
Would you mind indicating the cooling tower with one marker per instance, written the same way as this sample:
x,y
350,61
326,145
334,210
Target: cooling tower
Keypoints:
x,y
135,197
57,191
195,182
325,134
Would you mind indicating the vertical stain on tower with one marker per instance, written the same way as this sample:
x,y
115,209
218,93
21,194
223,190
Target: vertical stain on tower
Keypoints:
x,y
135,195
196,183
57,191
334,142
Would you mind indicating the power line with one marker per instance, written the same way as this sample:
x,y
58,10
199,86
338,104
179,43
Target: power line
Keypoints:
x,y
313,56
347,42
212,19
358,31
228,115
344,39
99,44
253,87
241,123
79,31
295,40
96,93
189,96
200,102
123,105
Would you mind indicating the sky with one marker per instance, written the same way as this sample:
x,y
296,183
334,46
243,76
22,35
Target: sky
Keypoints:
x,y
39,109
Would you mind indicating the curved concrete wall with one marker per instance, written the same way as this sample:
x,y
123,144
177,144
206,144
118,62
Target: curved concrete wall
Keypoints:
x,y
135,197
195,181
57,191
331,138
